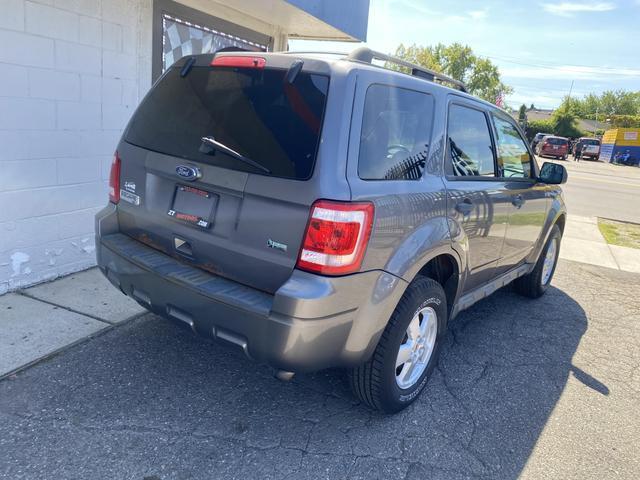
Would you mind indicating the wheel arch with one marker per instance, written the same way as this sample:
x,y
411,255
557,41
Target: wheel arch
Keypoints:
x,y
561,221
557,215
444,268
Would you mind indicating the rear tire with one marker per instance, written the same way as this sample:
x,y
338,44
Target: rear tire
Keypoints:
x,y
382,383
535,283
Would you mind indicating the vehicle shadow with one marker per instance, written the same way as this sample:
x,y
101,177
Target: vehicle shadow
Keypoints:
x,y
160,402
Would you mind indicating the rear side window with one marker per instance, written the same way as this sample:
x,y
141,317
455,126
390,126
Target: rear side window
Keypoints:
x,y
470,150
514,160
253,112
396,131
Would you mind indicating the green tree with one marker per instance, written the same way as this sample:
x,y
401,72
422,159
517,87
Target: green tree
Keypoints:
x,y
625,121
608,103
484,81
459,62
415,54
522,113
564,122
538,126
572,105
589,105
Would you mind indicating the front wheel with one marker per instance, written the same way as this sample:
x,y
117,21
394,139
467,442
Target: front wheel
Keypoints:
x,y
535,283
407,351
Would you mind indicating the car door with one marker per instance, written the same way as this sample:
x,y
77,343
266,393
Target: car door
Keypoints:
x,y
527,197
477,200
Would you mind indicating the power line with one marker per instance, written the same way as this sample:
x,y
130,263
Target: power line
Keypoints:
x,y
550,65
559,90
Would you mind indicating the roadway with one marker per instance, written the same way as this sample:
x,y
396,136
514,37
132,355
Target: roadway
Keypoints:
x,y
524,390
598,189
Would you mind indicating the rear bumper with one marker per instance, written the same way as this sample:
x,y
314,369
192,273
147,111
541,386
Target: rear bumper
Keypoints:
x,y
553,153
310,323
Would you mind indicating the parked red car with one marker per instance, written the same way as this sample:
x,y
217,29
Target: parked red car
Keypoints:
x,y
551,146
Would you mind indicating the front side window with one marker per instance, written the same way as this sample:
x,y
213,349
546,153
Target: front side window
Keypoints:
x,y
396,130
514,160
470,149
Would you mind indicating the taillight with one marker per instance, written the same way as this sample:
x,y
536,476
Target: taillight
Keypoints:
x,y
114,179
243,62
336,237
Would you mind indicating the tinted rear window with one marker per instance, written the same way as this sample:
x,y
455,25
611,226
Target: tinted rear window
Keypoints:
x,y
556,141
253,112
590,142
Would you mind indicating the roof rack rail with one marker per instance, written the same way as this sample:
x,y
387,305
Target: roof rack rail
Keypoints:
x,y
314,52
366,55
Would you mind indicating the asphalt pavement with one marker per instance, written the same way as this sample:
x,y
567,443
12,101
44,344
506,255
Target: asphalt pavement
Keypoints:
x,y
598,189
546,388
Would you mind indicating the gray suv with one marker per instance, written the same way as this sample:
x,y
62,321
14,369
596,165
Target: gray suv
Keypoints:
x,y
321,211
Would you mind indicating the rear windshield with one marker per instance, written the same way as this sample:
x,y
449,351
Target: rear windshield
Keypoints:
x,y
556,141
253,112
590,142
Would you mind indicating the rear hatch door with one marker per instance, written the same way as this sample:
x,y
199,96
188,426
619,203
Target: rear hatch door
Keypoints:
x,y
591,147
215,167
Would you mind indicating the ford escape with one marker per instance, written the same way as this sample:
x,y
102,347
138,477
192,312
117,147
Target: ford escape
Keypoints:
x,y
322,211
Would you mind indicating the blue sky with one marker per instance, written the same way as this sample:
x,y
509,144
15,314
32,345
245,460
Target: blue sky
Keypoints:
x,y
540,46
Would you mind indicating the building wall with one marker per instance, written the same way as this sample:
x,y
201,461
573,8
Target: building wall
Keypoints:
x,y
71,71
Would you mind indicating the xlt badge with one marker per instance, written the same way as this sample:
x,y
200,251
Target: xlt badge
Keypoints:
x,y
277,245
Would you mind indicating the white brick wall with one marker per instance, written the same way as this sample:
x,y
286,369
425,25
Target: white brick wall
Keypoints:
x,y
71,72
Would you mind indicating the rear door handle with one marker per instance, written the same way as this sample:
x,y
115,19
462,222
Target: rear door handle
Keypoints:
x,y
465,207
518,201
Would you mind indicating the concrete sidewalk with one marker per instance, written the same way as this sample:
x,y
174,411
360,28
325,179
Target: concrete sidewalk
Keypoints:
x,y
582,242
40,321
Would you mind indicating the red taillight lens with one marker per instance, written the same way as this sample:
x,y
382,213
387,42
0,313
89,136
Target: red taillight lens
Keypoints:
x,y
114,179
336,237
243,62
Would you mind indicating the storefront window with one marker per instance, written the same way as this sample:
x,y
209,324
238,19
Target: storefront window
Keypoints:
x,y
180,38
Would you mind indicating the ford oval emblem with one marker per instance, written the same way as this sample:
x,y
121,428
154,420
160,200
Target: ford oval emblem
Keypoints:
x,y
188,173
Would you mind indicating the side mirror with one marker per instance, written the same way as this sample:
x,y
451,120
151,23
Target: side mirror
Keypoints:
x,y
553,174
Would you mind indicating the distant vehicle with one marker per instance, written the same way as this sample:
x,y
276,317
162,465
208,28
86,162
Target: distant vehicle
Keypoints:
x,y
551,146
587,148
536,140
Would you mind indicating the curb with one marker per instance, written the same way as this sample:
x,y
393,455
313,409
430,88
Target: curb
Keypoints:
x,y
108,327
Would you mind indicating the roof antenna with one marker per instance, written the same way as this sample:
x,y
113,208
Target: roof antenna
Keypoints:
x,y
293,71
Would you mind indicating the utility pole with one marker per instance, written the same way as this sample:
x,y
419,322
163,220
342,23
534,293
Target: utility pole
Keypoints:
x,y
571,88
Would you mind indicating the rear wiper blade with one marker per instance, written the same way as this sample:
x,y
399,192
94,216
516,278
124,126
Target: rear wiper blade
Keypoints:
x,y
213,143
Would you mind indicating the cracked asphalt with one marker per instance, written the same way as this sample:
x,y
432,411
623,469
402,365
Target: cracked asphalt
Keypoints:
x,y
548,388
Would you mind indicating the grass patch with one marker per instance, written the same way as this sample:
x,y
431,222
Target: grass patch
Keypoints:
x,y
620,233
